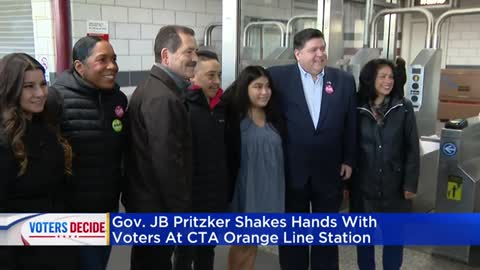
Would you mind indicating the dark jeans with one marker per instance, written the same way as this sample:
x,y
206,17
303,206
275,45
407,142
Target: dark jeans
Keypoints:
x,y
317,257
94,258
151,257
392,257
202,257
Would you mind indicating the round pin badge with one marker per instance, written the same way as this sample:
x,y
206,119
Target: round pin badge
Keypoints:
x,y
119,112
117,125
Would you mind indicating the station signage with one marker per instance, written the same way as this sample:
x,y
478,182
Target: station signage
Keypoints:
x,y
98,28
433,3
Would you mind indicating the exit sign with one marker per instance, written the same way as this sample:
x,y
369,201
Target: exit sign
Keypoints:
x,y
433,3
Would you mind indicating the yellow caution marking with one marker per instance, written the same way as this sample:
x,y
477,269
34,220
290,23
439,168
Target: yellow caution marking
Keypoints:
x,y
454,188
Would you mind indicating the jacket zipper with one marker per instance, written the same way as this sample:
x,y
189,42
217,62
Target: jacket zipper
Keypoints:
x,y
102,120
389,110
367,110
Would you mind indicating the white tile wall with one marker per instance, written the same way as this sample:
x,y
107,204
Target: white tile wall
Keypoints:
x,y
175,4
463,39
185,18
470,36
285,4
214,7
128,3
127,31
111,30
474,43
163,16
467,52
151,3
114,14
120,46
149,31
44,28
85,12
44,46
196,5
43,32
129,63
103,2
79,28
204,19
41,10
147,62
139,15
141,47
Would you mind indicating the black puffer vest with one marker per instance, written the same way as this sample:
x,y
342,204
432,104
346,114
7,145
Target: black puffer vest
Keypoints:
x,y
93,122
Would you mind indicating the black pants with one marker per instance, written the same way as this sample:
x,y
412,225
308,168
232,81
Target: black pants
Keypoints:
x,y
155,257
320,257
202,257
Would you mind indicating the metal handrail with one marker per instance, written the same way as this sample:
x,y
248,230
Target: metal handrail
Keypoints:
x,y
443,17
368,17
279,24
207,36
289,24
428,15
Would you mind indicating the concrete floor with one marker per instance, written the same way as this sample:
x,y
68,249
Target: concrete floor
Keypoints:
x,y
414,258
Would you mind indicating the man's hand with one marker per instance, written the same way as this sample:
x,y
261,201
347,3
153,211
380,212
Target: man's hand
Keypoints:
x,y
409,195
345,171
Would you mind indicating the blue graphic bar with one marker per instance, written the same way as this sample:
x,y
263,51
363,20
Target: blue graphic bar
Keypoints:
x,y
294,229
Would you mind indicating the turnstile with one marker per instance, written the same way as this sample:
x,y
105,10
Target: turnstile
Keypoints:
x,y
422,89
458,186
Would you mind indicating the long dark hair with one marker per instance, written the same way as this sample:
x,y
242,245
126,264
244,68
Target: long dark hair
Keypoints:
x,y
12,117
368,75
238,102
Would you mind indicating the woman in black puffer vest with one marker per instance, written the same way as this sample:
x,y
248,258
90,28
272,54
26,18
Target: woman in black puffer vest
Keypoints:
x,y
93,111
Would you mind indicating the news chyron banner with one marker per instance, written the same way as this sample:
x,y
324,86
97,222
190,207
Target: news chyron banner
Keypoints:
x,y
239,229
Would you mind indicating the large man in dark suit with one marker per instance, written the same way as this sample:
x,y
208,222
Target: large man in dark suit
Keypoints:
x,y
319,106
159,160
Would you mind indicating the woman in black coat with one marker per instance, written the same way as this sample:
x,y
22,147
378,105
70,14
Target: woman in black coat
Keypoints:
x,y
388,159
34,158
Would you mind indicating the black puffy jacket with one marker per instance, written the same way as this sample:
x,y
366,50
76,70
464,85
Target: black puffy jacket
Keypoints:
x,y
388,159
210,178
92,121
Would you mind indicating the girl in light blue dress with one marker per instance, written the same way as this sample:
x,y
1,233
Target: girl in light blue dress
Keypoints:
x,y
254,131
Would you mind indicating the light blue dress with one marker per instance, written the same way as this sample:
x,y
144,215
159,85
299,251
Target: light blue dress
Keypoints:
x,y
260,185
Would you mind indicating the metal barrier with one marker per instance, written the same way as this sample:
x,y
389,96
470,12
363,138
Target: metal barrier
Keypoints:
x,y
458,187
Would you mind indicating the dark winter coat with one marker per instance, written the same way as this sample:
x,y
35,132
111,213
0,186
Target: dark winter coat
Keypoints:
x,y
39,190
93,122
159,160
210,179
387,159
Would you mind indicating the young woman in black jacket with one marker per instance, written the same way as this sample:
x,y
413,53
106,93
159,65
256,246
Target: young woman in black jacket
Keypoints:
x,y
34,159
388,160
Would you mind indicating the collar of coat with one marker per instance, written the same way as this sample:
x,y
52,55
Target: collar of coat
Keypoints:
x,y
395,103
163,76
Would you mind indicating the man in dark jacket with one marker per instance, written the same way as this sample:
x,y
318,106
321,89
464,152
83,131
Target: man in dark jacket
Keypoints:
x,y
93,107
159,164
209,182
319,104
